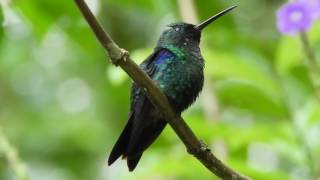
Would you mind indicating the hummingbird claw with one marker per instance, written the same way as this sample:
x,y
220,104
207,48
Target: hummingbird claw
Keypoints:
x,y
124,54
204,146
116,58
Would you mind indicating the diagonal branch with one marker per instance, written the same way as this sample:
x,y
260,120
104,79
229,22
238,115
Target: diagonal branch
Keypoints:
x,y
120,58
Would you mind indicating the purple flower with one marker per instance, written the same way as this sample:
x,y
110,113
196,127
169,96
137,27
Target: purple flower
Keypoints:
x,y
315,7
294,17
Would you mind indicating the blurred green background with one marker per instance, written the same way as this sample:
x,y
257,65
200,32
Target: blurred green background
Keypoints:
x,y
63,105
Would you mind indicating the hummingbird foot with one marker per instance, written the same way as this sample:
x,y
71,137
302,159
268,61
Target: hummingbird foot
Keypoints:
x,y
124,54
118,57
204,146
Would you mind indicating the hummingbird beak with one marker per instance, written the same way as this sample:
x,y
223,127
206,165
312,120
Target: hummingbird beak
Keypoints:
x,y
213,18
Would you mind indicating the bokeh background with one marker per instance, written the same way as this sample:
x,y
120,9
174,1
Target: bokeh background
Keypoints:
x,y
63,105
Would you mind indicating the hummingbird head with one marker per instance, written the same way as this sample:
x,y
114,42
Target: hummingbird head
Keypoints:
x,y
187,35
180,34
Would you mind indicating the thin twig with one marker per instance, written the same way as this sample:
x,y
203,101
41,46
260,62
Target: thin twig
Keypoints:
x,y
120,57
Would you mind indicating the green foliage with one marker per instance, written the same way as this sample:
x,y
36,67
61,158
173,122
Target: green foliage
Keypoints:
x,y
43,14
62,105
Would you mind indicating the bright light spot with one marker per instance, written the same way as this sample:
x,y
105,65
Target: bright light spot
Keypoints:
x,y
14,26
4,2
116,171
74,95
52,49
219,148
313,134
28,80
94,6
299,173
115,75
44,171
262,157
10,17
296,16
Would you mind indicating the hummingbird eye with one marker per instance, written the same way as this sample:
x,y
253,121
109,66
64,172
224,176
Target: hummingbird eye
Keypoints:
x,y
177,29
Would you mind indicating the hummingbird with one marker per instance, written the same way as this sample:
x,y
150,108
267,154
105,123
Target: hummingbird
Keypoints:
x,y
176,66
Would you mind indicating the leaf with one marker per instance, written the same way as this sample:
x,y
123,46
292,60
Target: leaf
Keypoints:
x,y
289,54
279,174
223,65
245,95
42,14
314,34
315,113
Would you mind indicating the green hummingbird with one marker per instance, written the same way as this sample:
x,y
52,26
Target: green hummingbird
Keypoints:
x,y
176,66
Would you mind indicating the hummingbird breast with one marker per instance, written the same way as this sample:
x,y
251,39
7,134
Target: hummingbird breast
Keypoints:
x,y
180,77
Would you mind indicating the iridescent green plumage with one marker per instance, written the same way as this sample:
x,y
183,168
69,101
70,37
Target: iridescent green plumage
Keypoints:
x,y
181,76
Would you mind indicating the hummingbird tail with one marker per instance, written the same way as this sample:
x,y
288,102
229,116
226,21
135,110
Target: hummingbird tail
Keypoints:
x,y
132,161
121,145
136,138
140,143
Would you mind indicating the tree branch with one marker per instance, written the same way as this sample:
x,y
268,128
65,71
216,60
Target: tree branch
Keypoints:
x,y
121,58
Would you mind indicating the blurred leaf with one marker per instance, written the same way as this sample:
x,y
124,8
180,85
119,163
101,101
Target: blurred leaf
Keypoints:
x,y
223,65
315,113
289,54
42,14
255,174
245,95
314,34
291,154
297,86
139,4
1,23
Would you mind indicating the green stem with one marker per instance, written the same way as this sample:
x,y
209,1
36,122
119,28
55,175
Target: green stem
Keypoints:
x,y
313,66
12,157
298,132
314,75
310,54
